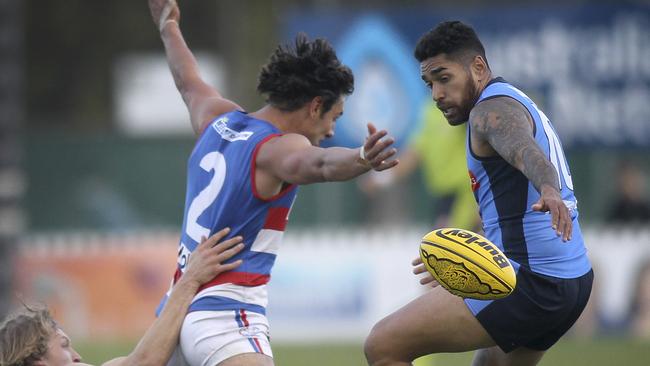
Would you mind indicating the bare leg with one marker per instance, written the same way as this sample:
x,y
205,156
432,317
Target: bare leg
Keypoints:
x,y
434,322
494,356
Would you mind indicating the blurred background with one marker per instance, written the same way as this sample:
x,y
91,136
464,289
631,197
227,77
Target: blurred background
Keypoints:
x,y
94,140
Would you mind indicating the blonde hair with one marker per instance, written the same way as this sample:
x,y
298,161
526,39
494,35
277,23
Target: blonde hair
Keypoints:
x,y
24,336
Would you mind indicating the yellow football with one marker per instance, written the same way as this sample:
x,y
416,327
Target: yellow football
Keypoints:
x,y
467,264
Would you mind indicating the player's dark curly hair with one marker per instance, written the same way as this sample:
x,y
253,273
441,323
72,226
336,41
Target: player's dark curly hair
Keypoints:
x,y
452,38
295,75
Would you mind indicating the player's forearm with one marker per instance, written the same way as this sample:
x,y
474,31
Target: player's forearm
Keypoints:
x,y
342,164
521,151
160,340
526,156
539,170
183,65
323,165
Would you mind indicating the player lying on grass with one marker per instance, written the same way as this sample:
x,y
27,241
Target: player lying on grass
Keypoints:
x,y
33,338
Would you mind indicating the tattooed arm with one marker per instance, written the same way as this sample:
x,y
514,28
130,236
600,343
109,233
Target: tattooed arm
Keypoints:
x,y
507,127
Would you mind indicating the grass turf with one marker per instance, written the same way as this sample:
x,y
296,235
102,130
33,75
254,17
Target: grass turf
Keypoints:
x,y
569,352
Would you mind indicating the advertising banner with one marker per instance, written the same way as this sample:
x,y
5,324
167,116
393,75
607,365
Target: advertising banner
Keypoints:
x,y
587,65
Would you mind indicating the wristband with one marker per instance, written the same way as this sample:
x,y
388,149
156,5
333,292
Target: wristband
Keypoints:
x,y
362,158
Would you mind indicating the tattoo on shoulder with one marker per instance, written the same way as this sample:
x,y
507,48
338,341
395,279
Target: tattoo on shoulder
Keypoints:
x,y
506,125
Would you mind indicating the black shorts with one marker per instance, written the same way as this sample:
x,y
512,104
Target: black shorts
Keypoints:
x,y
537,313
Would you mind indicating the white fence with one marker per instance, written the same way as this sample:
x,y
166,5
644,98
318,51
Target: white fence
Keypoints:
x,y
327,284
337,284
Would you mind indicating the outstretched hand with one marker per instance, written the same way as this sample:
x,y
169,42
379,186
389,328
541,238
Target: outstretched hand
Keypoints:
x,y
550,201
163,11
377,150
207,260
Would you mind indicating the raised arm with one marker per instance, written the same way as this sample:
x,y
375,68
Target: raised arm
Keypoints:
x,y
506,125
203,101
158,343
291,158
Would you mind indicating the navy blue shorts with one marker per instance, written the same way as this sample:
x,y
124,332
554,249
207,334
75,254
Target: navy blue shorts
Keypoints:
x,y
537,313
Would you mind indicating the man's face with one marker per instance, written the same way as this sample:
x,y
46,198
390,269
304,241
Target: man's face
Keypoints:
x,y
453,87
60,351
325,123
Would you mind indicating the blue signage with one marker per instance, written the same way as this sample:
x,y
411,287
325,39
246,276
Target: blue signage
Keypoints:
x,y
587,66
388,89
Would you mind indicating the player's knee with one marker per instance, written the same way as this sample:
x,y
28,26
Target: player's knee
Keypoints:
x,y
378,348
481,358
371,345
493,357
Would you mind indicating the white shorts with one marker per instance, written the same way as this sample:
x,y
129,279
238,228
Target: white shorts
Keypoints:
x,y
210,337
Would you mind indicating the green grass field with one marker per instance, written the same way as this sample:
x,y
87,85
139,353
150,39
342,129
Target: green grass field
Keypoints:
x,y
570,352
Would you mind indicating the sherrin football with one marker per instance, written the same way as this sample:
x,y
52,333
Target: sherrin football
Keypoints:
x,y
467,264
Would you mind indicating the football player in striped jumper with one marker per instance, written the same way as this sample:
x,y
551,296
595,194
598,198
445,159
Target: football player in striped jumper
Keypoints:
x,y
243,173
523,187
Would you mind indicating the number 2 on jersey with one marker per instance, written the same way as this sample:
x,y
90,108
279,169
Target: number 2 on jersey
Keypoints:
x,y
213,161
